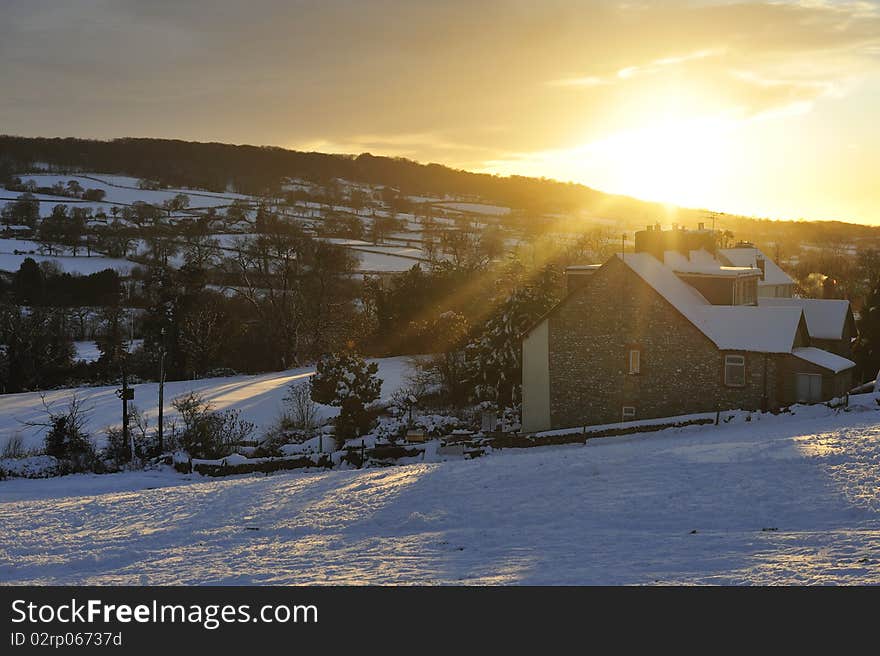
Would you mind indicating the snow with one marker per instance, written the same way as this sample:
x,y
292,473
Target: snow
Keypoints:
x,y
702,262
665,282
748,257
791,499
80,264
476,208
826,317
29,466
259,397
129,193
824,359
48,202
384,263
750,328
740,327
87,351
20,245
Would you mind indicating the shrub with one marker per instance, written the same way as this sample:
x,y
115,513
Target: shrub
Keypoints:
x,y
14,447
67,440
301,411
345,380
206,433
146,443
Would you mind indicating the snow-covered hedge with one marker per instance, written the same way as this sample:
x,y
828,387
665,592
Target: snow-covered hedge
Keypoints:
x,y
29,467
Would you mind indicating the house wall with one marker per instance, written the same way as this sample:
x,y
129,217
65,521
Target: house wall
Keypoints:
x,y
681,369
839,346
536,379
833,385
774,291
575,279
716,290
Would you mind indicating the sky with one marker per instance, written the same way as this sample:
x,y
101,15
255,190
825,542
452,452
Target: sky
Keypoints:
x,y
762,108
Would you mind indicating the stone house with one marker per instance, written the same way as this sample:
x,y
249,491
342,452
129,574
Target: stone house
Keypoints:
x,y
642,337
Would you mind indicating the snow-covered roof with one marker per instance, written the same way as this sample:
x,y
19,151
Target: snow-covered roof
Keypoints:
x,y
751,328
683,297
736,327
748,257
703,262
824,359
826,318
584,267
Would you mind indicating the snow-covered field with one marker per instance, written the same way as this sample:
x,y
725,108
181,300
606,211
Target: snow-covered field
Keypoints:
x,y
259,397
123,190
788,499
81,264
87,351
477,208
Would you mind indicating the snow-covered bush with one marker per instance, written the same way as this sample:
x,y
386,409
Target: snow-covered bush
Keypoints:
x,y
67,439
206,433
345,380
35,466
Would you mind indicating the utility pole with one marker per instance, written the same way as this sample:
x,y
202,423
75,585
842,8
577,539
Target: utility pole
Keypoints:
x,y
126,393
161,389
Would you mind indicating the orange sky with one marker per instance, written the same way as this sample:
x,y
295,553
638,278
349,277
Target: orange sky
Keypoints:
x,y
761,108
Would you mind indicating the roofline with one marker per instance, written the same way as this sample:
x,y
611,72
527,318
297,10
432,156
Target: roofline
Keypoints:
x,y
751,273
563,300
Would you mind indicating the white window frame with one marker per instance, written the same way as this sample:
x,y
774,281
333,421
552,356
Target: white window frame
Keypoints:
x,y
735,361
627,413
635,363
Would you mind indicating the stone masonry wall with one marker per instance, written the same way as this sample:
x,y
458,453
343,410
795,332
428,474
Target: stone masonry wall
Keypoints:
x,y
681,369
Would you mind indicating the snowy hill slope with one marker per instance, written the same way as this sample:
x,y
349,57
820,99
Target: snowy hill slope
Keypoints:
x,y
259,397
787,499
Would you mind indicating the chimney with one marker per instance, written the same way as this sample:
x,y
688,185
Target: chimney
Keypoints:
x,y
759,260
701,226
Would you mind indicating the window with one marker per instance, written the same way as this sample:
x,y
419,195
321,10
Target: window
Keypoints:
x,y
735,370
628,412
635,361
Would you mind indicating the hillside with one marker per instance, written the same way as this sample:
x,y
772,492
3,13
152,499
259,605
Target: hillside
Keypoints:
x,y
789,499
260,398
252,170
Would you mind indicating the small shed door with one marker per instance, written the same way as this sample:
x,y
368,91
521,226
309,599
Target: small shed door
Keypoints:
x,y
809,388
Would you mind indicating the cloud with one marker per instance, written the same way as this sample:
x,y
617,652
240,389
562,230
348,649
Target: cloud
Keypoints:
x,y
416,78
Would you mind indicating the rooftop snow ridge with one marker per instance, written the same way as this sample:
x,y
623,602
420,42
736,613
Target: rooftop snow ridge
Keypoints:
x,y
704,263
749,256
824,359
826,318
740,327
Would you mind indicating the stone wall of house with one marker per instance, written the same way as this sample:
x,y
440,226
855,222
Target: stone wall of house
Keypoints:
x,y
681,369
839,346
